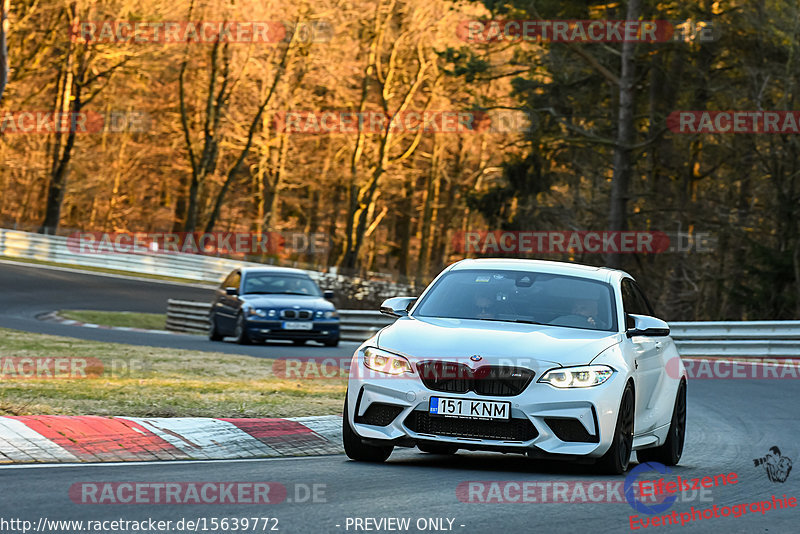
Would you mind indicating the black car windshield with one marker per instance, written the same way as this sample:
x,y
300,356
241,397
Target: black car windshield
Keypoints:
x,y
281,284
521,296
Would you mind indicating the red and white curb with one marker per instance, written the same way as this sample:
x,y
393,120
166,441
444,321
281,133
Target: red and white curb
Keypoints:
x,y
59,439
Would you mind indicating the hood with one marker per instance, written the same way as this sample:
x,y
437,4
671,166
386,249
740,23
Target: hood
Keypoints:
x,y
459,339
287,301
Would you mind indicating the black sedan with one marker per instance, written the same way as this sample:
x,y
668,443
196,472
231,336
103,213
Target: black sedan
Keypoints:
x,y
257,304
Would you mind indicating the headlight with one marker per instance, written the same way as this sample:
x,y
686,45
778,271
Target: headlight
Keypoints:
x,y
583,376
256,311
331,314
386,362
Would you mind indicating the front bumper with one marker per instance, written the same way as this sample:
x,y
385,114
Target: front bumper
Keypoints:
x,y
544,419
321,330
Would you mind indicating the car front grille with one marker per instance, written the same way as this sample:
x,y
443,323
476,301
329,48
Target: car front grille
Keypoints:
x,y
297,314
452,377
511,430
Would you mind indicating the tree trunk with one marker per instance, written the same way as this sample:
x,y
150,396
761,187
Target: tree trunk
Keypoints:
x,y
625,135
5,6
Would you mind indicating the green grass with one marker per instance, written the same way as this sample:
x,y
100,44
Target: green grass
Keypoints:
x,y
104,270
156,382
149,321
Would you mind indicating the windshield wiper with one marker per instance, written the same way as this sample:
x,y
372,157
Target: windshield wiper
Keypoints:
x,y
523,321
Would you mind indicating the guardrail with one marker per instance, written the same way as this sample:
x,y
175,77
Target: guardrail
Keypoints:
x,y
755,339
53,248
196,267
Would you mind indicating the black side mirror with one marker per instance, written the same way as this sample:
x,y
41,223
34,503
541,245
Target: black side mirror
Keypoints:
x,y
231,291
327,295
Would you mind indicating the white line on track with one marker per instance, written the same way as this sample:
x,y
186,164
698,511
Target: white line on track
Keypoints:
x,y
161,463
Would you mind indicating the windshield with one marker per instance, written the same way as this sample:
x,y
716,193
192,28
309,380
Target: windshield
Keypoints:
x,y
521,296
282,284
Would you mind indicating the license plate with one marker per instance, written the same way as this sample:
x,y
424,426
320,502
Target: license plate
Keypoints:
x,y
297,325
469,408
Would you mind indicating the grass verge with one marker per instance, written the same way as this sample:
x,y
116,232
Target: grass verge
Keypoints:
x,y
149,321
156,382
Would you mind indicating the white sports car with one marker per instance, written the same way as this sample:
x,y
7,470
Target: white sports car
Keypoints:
x,y
549,359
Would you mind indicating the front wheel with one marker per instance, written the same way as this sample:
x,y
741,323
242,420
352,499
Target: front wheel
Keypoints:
x,y
331,342
670,452
241,331
355,449
213,333
616,460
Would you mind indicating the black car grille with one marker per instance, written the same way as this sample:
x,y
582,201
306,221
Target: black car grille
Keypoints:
x,y
511,430
297,314
452,377
379,414
570,430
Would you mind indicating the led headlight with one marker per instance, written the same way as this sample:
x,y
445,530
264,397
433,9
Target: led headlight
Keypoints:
x,y
386,362
583,376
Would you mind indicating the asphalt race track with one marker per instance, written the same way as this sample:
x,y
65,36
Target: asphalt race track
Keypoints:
x,y
731,422
27,291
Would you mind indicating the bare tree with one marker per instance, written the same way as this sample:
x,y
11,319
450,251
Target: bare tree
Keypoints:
x,y
5,7
623,164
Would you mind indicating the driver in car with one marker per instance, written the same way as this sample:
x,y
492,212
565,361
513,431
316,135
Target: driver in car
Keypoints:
x,y
586,308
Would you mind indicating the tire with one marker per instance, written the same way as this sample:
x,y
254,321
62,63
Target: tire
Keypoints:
x,y
355,449
616,461
437,448
241,332
213,333
670,452
299,341
331,342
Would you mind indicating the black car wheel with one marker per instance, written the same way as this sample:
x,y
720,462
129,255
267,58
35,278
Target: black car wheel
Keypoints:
x,y
240,333
670,452
299,341
213,333
331,342
616,460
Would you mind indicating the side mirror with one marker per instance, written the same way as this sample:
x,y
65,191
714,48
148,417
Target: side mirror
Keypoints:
x,y
231,291
397,306
644,325
327,295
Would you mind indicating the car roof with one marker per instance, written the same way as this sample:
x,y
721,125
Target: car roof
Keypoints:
x,y
274,270
543,266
